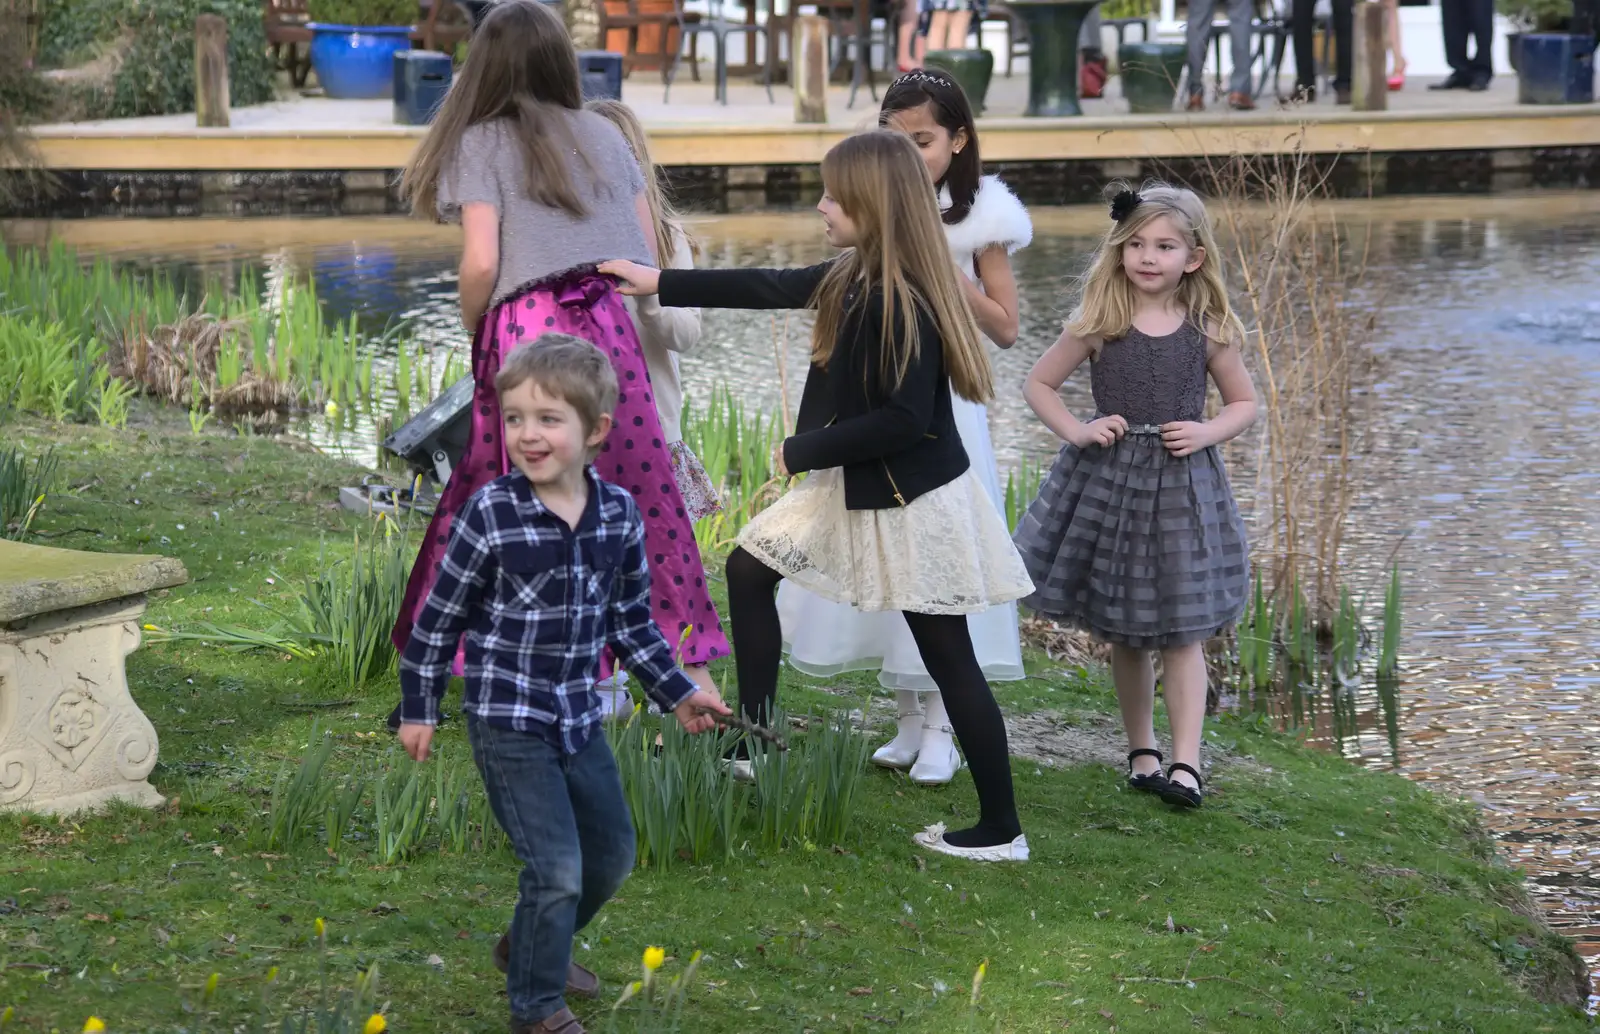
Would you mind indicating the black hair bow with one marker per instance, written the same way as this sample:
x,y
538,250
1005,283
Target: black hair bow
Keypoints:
x,y
1123,205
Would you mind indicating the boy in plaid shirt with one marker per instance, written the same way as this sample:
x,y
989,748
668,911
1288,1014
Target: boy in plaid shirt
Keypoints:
x,y
545,567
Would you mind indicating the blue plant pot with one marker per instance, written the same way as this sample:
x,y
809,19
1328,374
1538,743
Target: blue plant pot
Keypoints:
x,y
356,62
1555,68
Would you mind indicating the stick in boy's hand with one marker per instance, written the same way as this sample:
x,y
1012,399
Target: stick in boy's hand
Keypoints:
x,y
745,725
636,279
699,712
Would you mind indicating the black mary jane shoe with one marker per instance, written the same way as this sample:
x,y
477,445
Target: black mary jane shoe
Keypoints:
x,y
1153,782
1180,795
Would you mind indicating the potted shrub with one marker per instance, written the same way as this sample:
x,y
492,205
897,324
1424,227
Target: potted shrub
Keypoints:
x,y
1554,64
353,43
1528,16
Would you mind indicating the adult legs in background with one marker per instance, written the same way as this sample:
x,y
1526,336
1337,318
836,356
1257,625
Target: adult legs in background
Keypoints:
x,y
938,29
1197,34
905,58
1397,55
1479,17
1453,23
959,29
1183,675
1303,23
1240,14
946,648
1134,676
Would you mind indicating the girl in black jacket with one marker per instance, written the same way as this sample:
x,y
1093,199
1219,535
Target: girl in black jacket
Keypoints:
x,y
889,517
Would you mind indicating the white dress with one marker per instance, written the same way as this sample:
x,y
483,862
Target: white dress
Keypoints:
x,y
824,638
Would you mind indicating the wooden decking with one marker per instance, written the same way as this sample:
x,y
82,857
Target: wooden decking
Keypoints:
x,y
691,130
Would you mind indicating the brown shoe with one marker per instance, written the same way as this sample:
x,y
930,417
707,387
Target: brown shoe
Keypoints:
x,y
1241,102
1197,102
1341,96
581,983
562,1022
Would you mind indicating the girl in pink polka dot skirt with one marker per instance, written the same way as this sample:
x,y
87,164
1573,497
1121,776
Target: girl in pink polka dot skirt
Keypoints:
x,y
544,190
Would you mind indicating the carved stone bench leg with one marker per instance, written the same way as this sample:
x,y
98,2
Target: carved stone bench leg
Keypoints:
x,y
71,736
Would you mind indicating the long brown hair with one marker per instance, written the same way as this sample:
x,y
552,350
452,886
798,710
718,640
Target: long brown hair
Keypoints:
x,y
1109,297
522,67
882,184
668,225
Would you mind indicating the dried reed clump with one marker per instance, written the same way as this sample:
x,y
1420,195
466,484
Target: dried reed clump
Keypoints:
x,y
178,363
1063,644
1301,286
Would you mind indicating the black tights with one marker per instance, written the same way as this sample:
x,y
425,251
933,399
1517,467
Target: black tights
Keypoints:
x,y
946,649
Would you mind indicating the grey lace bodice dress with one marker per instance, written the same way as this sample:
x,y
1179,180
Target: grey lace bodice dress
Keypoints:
x,y
1127,541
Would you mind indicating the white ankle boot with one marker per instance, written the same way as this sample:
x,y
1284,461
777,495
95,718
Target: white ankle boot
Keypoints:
x,y
937,758
901,751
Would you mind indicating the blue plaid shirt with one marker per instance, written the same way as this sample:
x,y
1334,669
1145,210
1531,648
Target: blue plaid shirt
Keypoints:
x,y
537,602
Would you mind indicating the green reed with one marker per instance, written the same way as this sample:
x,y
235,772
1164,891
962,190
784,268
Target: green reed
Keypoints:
x,y
299,796
1022,487
23,489
347,608
400,812
1283,656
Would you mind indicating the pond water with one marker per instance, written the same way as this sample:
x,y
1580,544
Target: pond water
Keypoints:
x,y
1483,473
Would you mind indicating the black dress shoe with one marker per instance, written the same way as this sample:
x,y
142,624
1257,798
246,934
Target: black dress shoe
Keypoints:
x,y
1479,84
1450,82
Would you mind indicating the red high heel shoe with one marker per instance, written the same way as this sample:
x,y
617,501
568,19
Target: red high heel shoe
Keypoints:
x,y
1397,82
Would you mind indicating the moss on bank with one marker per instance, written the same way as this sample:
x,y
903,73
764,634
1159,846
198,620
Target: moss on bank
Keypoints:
x,y
1308,895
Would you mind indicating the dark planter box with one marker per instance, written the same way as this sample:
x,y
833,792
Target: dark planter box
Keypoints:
x,y
1555,68
421,80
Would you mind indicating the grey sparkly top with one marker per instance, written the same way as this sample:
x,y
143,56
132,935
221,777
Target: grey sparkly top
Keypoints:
x,y
537,241
1151,380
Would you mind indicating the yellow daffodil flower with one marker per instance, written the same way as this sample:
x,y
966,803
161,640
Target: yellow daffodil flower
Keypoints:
x,y
322,928
653,958
151,628
977,980
375,1024
92,1024
332,409
272,975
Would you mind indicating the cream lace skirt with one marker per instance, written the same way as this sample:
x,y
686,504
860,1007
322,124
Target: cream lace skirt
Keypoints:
x,y
946,553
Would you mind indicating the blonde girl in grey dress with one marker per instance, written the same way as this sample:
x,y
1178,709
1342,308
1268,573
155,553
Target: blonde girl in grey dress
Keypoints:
x,y
1135,537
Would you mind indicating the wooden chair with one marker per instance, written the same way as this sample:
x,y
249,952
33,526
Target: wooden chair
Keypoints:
x,y
285,22
442,27
666,23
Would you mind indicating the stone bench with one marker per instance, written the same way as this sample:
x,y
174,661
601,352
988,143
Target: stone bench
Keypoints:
x,y
71,736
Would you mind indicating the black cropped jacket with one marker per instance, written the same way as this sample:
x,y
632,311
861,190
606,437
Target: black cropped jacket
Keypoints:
x,y
893,445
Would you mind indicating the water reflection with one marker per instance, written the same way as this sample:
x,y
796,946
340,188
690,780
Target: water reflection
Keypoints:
x,y
1483,461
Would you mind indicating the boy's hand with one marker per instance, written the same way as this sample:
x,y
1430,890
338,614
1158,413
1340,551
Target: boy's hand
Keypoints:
x,y
692,713
416,738
636,279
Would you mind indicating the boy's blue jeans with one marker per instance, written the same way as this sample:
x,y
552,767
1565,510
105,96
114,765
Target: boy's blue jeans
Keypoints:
x,y
569,825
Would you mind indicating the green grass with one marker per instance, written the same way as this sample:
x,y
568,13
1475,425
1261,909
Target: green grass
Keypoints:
x,y
1308,895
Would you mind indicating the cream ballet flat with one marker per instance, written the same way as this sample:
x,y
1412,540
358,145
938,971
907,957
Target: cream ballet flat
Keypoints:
x,y
933,839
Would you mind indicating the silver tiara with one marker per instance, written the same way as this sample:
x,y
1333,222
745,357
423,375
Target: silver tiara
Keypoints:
x,y
921,77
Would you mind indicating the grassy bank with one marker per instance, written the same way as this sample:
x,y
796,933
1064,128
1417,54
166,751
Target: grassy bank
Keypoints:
x,y
1307,896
